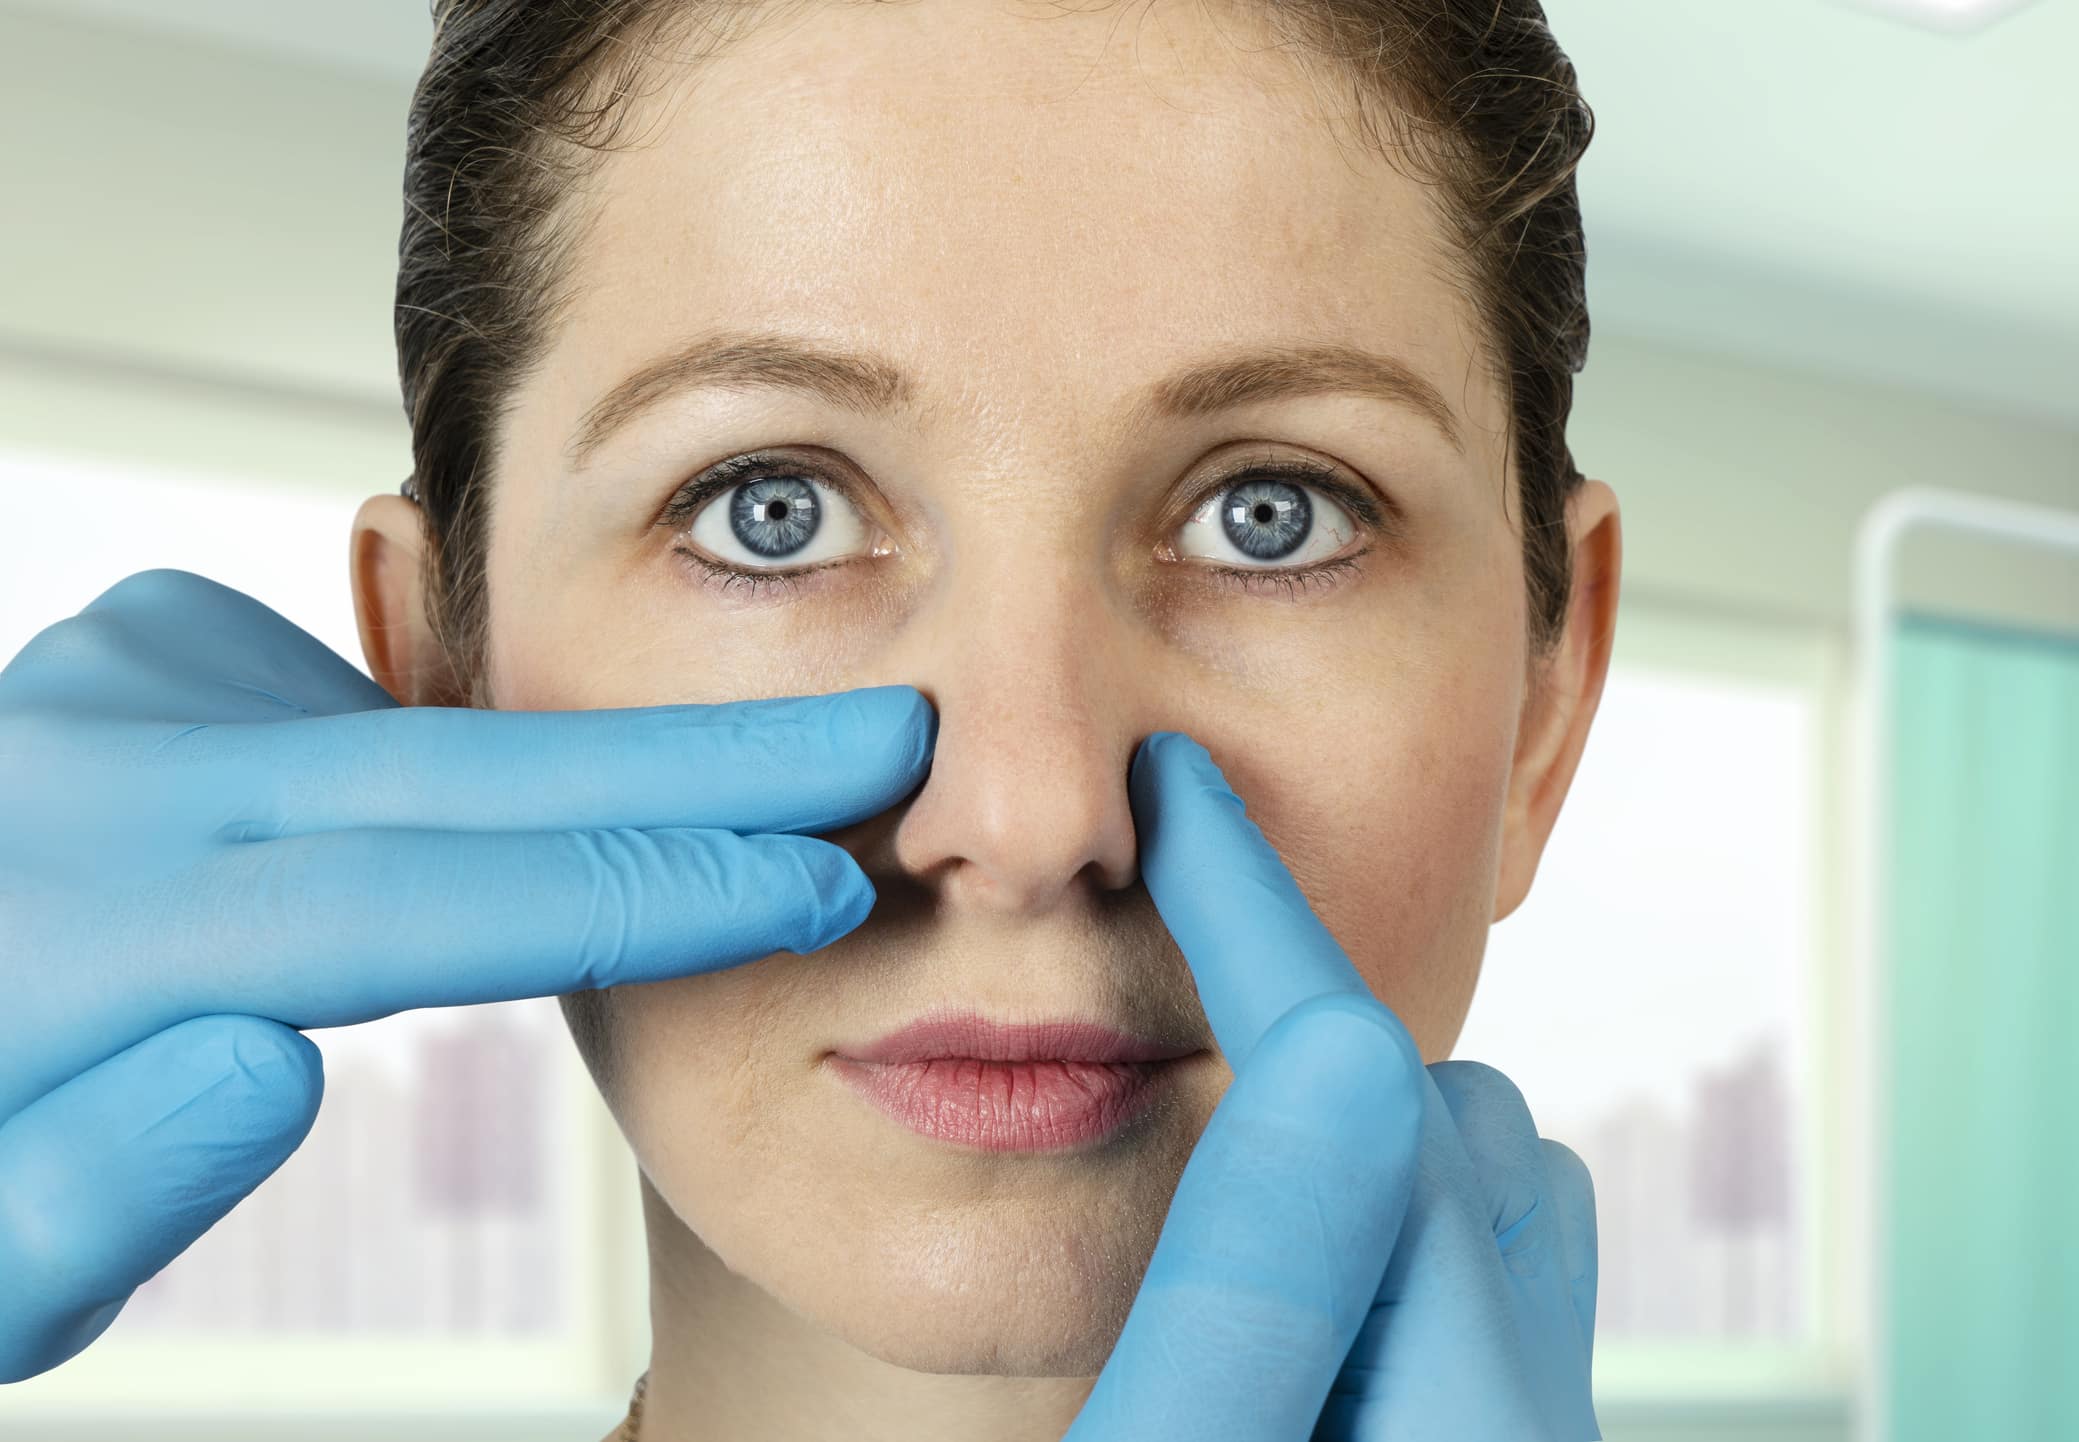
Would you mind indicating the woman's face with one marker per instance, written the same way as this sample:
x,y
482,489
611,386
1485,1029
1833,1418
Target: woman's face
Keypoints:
x,y
1096,274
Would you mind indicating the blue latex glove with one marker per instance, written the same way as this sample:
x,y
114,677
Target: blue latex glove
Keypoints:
x,y
1360,1247
215,830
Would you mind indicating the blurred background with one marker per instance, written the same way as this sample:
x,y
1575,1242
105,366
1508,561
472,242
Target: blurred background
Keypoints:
x,y
1794,996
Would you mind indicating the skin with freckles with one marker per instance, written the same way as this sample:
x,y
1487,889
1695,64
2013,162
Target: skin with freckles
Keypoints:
x,y
1036,215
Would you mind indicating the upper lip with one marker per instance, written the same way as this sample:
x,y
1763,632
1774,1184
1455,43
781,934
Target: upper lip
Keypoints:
x,y
972,1035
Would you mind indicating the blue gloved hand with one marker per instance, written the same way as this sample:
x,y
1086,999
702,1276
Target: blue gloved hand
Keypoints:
x,y
1360,1247
215,830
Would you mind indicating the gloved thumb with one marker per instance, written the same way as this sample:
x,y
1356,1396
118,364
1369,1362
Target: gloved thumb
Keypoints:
x,y
107,1178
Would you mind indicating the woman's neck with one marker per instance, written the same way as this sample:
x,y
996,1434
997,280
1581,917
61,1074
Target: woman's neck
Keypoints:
x,y
729,1363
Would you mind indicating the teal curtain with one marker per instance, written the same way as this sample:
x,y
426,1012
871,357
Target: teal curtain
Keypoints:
x,y
1982,1340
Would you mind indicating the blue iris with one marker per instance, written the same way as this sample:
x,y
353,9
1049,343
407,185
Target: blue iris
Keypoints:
x,y
1266,519
775,515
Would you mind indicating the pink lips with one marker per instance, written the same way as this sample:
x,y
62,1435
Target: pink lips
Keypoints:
x,y
1036,1086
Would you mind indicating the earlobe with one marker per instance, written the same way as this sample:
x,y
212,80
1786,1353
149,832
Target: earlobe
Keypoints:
x,y
1558,713
384,555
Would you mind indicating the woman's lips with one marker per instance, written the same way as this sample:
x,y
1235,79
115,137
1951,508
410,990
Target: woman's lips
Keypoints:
x,y
1037,1086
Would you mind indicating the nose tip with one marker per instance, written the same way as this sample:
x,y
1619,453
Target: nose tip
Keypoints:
x,y
1011,817
1027,793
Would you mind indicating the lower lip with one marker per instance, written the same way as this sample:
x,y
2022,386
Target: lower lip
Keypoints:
x,y
1008,1106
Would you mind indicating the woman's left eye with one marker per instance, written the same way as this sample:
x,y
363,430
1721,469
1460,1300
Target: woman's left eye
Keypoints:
x,y
1265,523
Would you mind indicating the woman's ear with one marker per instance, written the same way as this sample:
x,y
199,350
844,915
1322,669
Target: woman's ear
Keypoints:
x,y
1561,702
383,559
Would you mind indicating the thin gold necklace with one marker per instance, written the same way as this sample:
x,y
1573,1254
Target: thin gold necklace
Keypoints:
x,y
631,1428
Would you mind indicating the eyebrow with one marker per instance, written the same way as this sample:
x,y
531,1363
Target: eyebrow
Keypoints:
x,y
869,383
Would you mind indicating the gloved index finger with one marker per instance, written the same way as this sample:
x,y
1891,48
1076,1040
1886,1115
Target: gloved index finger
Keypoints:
x,y
1253,942
789,764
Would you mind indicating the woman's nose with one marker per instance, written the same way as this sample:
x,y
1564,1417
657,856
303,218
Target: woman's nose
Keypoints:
x,y
1038,712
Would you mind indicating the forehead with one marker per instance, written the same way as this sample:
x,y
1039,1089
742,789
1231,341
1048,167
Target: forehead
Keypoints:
x,y
1028,205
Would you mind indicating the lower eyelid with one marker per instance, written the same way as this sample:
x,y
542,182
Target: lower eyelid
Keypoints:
x,y
723,578
1323,576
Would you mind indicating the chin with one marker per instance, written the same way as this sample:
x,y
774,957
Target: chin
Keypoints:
x,y
925,1257
1017,1289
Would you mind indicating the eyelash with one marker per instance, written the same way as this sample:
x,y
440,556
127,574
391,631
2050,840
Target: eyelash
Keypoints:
x,y
742,470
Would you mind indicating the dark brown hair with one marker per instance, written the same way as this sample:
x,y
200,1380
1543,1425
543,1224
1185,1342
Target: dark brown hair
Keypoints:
x,y
520,98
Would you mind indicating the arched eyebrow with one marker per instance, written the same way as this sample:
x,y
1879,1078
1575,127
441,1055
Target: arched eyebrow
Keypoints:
x,y
870,383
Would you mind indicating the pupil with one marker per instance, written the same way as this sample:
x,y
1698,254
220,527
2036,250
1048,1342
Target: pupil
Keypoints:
x,y
1267,519
775,516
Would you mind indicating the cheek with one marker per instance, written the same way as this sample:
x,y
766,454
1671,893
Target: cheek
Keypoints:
x,y
713,1082
569,632
1387,806
549,652
709,1070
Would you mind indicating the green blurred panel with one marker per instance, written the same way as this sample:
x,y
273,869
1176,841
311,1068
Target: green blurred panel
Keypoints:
x,y
1983,1256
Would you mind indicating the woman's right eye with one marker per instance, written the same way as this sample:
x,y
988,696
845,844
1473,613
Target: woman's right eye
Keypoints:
x,y
778,522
